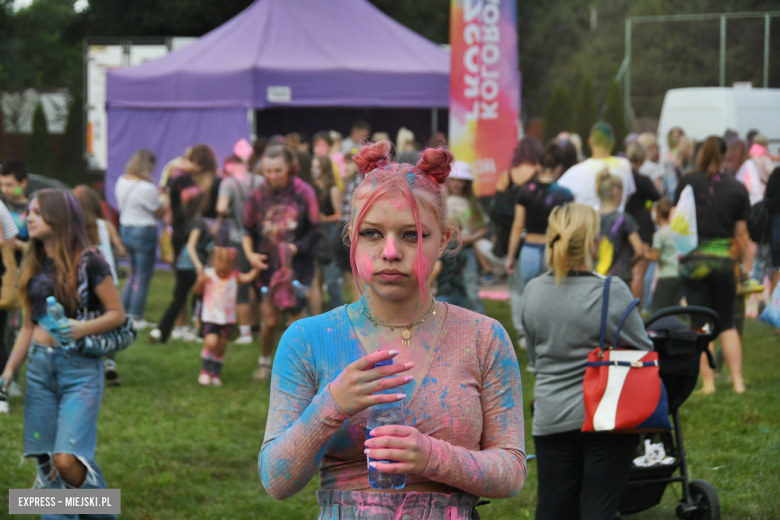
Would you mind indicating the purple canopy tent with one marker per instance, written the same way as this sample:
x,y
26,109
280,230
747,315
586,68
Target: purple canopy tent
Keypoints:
x,y
302,53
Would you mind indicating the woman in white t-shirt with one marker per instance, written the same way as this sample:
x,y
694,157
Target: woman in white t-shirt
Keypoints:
x,y
138,201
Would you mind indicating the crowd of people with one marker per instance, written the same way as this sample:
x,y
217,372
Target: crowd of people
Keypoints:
x,y
289,230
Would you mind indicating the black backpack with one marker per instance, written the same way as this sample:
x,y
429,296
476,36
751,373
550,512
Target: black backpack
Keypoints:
x,y
758,223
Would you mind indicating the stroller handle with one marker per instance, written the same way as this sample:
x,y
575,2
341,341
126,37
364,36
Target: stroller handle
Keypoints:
x,y
690,310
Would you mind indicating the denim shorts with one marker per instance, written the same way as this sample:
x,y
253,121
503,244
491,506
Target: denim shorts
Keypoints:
x,y
61,402
357,505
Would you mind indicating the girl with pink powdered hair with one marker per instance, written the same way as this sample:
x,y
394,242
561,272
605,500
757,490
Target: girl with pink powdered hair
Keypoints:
x,y
454,371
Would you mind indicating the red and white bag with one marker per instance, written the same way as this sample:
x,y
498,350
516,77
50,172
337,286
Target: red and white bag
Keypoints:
x,y
622,389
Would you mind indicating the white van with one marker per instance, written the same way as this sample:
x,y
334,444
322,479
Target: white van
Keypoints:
x,y
704,111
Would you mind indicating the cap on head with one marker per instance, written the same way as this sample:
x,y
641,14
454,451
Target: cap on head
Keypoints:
x,y
461,170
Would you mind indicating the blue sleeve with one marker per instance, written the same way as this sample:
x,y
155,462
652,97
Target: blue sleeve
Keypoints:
x,y
301,420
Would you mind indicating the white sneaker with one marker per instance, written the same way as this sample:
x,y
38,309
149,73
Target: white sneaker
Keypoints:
x,y
178,332
155,336
141,324
216,381
192,330
15,390
204,379
262,373
3,406
189,337
244,340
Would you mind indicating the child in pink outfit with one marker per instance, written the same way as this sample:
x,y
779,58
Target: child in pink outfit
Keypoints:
x,y
219,286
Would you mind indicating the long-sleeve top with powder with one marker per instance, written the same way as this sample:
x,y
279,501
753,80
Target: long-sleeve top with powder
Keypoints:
x,y
291,215
469,404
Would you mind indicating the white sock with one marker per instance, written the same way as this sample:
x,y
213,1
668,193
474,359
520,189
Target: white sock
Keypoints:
x,y
264,360
245,330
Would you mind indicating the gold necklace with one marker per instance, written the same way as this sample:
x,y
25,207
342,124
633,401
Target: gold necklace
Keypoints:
x,y
406,335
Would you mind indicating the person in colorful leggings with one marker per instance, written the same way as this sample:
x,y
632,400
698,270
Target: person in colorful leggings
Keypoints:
x,y
454,371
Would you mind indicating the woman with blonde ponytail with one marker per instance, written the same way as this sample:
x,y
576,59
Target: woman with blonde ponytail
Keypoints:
x,y
571,232
581,475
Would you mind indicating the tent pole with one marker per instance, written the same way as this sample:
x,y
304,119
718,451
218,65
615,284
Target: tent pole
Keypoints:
x,y
434,121
767,23
250,116
722,50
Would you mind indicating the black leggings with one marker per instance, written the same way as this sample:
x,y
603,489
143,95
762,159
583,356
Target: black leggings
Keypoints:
x,y
582,475
185,279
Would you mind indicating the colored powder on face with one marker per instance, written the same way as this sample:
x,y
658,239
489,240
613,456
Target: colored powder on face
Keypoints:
x,y
390,251
398,204
365,267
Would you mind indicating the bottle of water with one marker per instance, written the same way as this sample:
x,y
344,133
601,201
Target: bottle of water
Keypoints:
x,y
299,290
383,415
60,321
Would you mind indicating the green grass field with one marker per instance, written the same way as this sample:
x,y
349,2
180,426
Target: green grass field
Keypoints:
x,y
180,451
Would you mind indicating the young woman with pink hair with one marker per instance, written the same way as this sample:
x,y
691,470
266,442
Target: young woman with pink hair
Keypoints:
x,y
454,371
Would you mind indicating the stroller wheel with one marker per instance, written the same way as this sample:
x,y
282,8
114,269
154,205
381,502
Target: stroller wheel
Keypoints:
x,y
706,499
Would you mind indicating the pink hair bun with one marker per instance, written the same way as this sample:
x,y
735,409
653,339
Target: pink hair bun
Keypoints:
x,y
436,163
373,156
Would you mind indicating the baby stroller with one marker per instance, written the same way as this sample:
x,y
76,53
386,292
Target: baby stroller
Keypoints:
x,y
679,348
